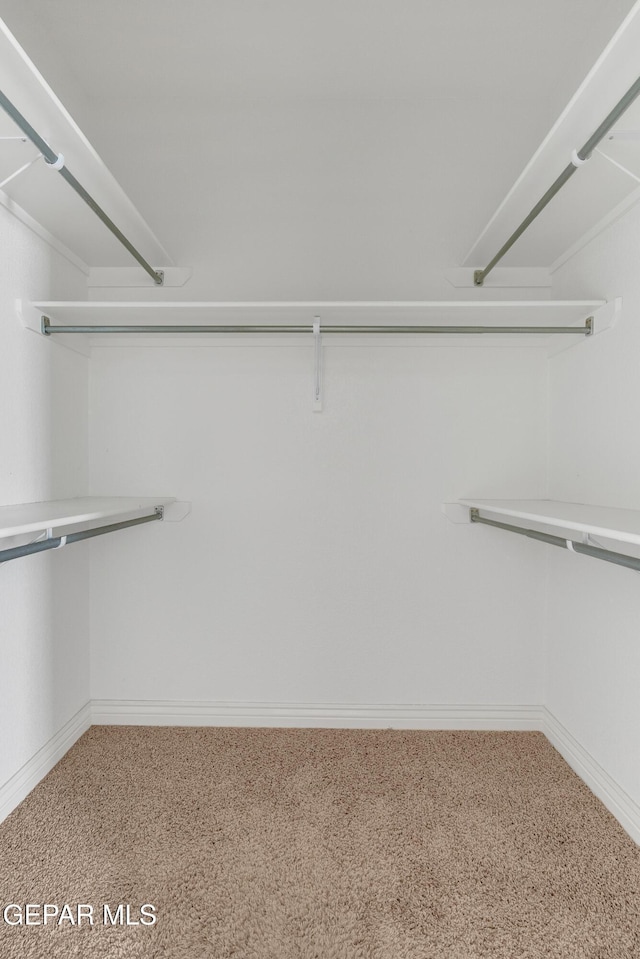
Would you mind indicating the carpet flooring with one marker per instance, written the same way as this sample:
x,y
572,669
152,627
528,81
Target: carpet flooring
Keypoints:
x,y
316,844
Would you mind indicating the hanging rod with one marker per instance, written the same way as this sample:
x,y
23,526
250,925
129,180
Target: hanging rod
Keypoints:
x,y
585,330
56,542
57,162
609,556
577,159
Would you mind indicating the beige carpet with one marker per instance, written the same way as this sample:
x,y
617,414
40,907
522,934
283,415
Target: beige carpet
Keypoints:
x,y
319,844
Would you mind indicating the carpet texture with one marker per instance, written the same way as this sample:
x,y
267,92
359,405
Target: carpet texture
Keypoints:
x,y
319,844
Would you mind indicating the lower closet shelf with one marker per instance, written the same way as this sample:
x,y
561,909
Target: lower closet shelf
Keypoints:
x,y
58,522
563,519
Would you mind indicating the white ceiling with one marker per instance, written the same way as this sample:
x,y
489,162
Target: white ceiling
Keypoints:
x,y
315,148
316,49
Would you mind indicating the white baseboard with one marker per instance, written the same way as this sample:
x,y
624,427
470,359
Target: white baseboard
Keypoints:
x,y
123,712
617,801
28,776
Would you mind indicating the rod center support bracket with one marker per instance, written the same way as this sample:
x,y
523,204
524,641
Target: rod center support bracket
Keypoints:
x,y
56,164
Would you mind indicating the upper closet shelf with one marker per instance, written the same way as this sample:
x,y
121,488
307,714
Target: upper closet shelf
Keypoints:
x,y
539,322
40,198
604,187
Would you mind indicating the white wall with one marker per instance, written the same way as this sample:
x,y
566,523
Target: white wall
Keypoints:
x,y
594,608
44,620
316,566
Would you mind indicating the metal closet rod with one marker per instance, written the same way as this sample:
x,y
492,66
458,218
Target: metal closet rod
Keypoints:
x,y
608,555
585,330
57,541
578,158
58,163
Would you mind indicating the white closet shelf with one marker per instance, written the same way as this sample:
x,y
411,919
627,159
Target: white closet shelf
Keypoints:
x,y
86,510
432,312
42,200
82,324
621,525
599,193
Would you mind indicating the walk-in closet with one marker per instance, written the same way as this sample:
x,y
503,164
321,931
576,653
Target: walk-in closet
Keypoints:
x,y
320,479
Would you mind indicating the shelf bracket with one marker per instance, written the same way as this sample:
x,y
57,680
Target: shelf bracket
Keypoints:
x,y
175,512
615,163
456,512
317,366
16,173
